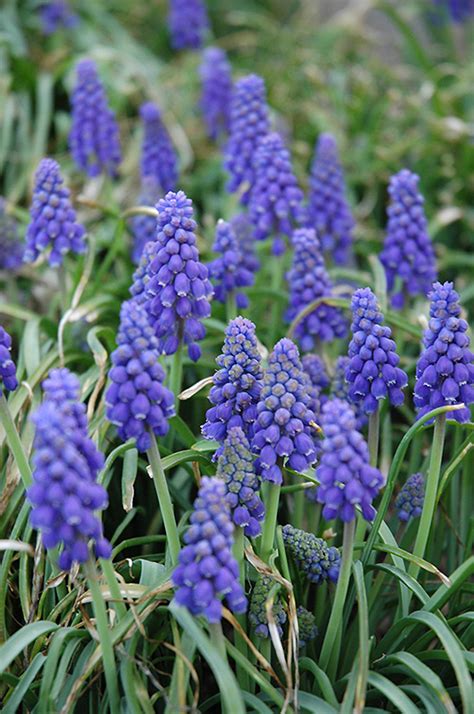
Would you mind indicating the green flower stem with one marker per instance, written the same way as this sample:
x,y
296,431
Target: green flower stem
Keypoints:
x,y
114,249
335,620
14,442
238,550
114,587
231,307
217,638
466,505
176,374
272,499
431,490
299,501
373,436
108,658
63,293
164,499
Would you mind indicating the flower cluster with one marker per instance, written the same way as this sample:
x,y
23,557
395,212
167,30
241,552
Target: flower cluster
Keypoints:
x,y
158,162
243,230
11,251
8,378
249,122
143,226
65,493
187,23
345,475
207,573
178,289
56,14
340,389
276,201
137,402
141,276
237,384
445,369
227,271
235,467
329,212
458,10
306,626
285,424
53,219
94,139
372,371
216,91
258,607
317,560
407,256
314,367
409,501
308,281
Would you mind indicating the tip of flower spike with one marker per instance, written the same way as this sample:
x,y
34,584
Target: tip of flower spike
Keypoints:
x,y
149,111
86,66
326,143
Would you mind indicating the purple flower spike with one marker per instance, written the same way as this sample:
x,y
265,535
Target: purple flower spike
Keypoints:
x,y
307,628
227,272
372,372
276,201
143,227
345,475
329,212
249,122
340,388
53,221
235,467
317,560
458,10
94,139
285,426
243,230
258,607
207,574
237,384
141,276
8,380
407,256
308,280
216,90
409,502
11,250
158,160
314,367
55,15
445,369
137,401
65,493
187,23
178,289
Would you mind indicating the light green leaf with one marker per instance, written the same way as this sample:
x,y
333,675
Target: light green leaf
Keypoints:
x,y
21,639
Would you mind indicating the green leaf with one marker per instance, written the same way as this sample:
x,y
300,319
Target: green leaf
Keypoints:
x,y
406,579
21,639
31,346
420,562
311,703
423,674
398,698
364,642
231,696
183,431
181,457
444,593
153,574
16,699
322,680
205,445
129,474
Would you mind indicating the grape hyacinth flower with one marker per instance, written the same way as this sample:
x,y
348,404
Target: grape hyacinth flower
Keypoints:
x,y
141,276
445,369
285,426
458,10
317,560
258,611
345,475
340,389
187,23
308,281
237,384
178,289
65,494
235,467
249,122
8,380
11,250
158,162
409,502
94,139
53,222
244,233
407,255
314,367
208,574
372,372
329,212
276,201
307,628
216,91
227,272
56,14
137,402
142,225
